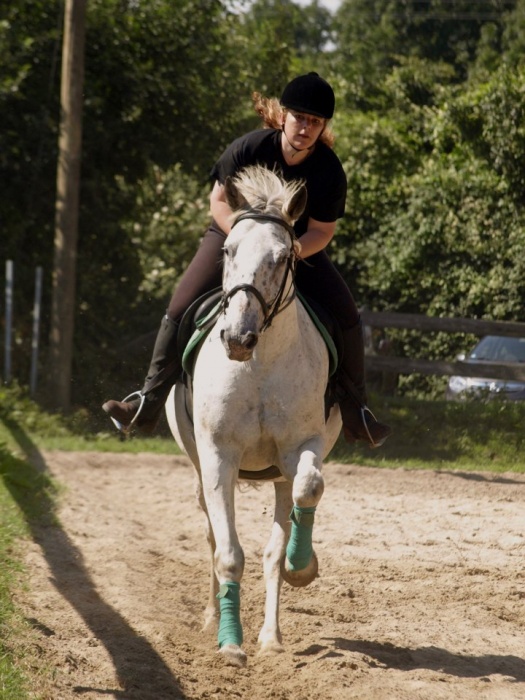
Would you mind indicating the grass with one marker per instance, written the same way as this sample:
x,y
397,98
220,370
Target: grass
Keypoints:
x,y
25,498
427,435
471,436
12,682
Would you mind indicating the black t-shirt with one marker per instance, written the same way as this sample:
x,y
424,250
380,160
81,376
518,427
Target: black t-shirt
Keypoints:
x,y
322,172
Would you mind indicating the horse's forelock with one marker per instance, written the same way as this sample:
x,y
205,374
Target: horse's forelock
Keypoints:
x,y
265,190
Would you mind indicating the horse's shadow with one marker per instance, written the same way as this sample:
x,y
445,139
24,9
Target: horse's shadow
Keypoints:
x,y
488,478
433,659
141,671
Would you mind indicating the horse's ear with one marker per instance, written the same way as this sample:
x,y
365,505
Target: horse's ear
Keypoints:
x,y
234,198
297,203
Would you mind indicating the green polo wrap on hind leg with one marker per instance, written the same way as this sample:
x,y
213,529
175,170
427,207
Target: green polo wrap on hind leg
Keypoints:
x,y
230,628
300,550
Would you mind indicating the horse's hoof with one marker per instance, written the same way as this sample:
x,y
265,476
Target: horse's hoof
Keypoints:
x,y
270,649
270,641
300,578
233,655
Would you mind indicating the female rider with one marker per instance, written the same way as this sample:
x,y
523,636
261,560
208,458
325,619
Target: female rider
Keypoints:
x,y
296,140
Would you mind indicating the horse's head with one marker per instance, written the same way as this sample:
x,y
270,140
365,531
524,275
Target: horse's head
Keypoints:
x,y
259,255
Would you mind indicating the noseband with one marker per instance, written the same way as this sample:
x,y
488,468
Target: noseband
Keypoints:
x,y
270,310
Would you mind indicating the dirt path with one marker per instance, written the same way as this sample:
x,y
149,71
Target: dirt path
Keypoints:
x,y
421,592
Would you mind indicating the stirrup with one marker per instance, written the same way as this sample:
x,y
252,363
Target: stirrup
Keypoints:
x,y
127,428
363,411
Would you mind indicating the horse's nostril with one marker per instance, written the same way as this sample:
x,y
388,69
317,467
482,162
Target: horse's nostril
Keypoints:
x,y
251,341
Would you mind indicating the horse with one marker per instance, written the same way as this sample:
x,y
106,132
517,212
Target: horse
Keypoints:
x,y
258,406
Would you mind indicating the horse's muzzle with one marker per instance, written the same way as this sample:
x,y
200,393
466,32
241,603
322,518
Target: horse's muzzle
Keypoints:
x,y
239,347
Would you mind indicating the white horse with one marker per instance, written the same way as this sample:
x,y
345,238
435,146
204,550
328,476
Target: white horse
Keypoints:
x,y
258,401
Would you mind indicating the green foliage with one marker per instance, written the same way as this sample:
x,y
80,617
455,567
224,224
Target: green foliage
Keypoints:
x,y
373,36
30,39
450,248
284,31
19,411
436,217
513,40
163,85
172,215
430,130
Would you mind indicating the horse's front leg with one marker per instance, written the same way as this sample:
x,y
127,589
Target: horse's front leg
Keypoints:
x,y
300,564
218,482
270,634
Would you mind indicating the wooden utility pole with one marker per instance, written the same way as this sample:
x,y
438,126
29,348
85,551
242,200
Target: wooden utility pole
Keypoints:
x,y
66,209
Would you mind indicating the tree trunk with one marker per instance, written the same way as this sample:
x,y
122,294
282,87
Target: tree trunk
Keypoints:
x,y
66,210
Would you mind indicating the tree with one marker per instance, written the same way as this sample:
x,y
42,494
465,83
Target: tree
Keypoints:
x,y
436,219
374,36
163,84
30,43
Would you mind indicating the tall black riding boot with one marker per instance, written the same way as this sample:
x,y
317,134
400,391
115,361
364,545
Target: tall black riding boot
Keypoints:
x,y
359,423
142,409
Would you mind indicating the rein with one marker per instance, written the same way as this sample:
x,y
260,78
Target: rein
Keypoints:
x,y
270,310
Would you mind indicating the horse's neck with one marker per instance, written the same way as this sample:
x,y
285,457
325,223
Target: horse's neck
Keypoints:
x,y
284,333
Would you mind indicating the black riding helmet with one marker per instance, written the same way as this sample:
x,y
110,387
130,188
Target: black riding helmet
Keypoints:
x,y
310,94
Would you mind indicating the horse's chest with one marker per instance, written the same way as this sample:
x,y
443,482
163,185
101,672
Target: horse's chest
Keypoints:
x,y
260,412
263,401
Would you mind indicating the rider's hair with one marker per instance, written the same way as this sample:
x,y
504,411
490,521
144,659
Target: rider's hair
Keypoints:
x,y
273,113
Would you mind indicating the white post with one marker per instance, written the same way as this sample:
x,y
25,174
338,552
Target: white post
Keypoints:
x,y
8,319
36,331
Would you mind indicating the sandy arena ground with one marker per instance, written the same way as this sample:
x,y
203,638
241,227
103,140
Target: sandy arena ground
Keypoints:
x,y
421,591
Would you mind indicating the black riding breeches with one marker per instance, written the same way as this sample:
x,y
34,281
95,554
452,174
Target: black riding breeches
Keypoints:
x,y
319,279
203,274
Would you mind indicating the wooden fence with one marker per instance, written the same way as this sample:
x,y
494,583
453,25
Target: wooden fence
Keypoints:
x,y
405,365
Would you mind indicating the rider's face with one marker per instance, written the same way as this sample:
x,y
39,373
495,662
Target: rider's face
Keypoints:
x,y
303,130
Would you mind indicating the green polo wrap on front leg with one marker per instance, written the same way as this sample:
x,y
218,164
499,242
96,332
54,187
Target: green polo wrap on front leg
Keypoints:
x,y
300,550
230,628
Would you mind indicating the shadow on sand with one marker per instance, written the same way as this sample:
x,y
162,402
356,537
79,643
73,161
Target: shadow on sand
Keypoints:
x,y
141,671
435,659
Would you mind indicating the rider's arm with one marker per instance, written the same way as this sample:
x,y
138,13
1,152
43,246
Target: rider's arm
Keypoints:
x,y
219,207
317,236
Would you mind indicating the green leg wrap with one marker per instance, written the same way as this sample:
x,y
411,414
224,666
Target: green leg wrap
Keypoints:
x,y
230,628
300,550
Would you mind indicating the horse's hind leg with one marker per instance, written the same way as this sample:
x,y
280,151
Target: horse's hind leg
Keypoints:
x,y
300,564
211,613
270,634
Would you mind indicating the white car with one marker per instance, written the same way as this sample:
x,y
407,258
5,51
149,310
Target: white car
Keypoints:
x,y
491,348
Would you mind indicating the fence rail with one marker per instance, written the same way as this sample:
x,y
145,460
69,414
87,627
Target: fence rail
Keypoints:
x,y
406,365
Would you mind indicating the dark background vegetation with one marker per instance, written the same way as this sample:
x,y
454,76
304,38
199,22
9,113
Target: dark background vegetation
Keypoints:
x,y
430,129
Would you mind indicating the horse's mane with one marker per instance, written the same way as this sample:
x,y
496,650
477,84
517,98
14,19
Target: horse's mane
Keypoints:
x,y
265,190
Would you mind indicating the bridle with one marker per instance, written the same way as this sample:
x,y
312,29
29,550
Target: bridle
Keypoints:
x,y
271,309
